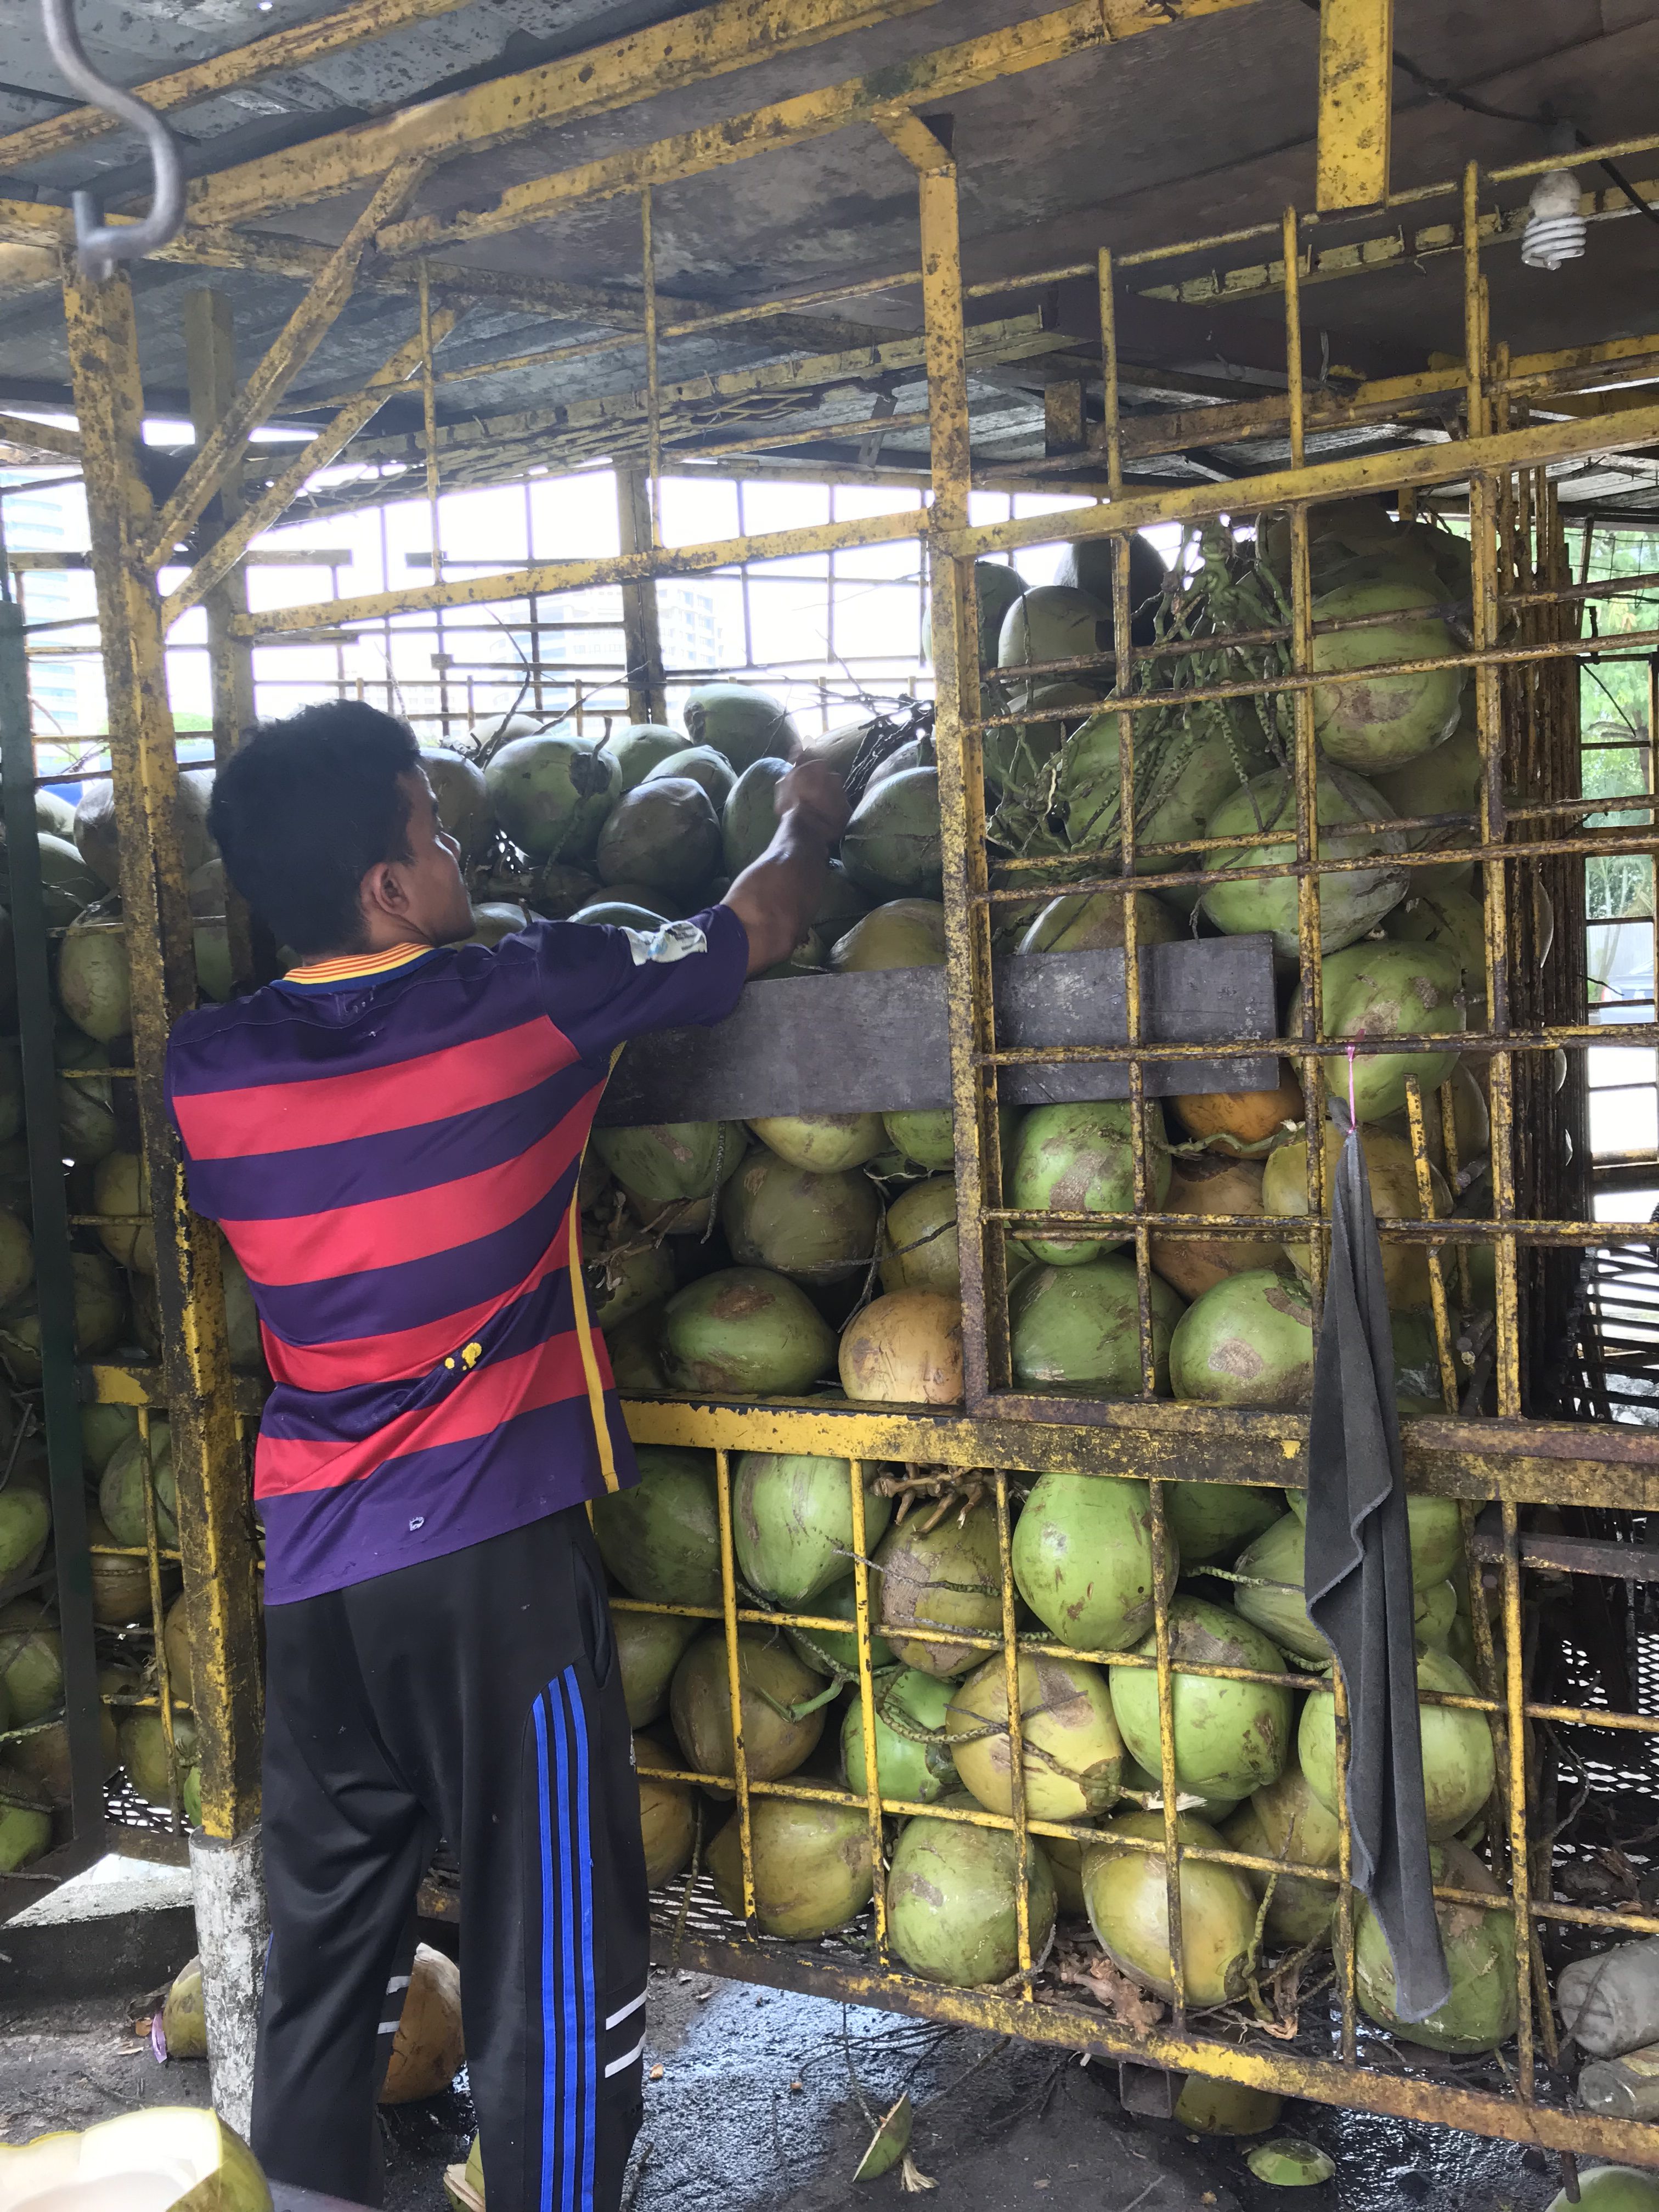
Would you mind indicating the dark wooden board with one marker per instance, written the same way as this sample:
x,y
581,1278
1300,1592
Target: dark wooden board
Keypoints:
x,y
876,1043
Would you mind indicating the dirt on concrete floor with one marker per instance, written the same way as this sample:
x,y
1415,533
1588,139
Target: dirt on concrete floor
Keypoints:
x,y
758,2098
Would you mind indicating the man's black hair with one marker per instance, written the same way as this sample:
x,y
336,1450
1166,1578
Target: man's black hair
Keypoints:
x,y
305,808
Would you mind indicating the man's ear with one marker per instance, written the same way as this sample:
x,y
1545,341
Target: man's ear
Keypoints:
x,y
383,890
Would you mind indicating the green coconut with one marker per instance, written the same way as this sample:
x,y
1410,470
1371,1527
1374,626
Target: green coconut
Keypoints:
x,y
464,808
921,752
1185,772
1078,1158
842,904
551,794
668,1812
649,1646
1437,1536
639,747
43,1754
926,1137
1391,1172
1087,564
1380,721
25,1526
121,1490
94,825
1083,1559
25,1834
1284,1821
835,1651
1389,990
892,845
666,832
920,1239
1434,1614
811,1863
54,815
661,1539
749,820
1128,1900
67,884
703,766
1056,622
627,1283
781,1723
101,1311
495,920
1093,921
1208,2107
94,980
663,1164
813,1228
1478,1943
739,722
1019,754
1071,1752
1210,1184
823,1143
1210,1520
1078,1329
904,1349
904,934
1459,1767
939,1579
1230,1737
144,1752
120,1185
120,1583
1248,1341
1453,918
1273,1598
86,1116
174,2156
1611,2189
1353,819
208,896
636,1353
913,1756
996,587
791,1523
1445,782
951,1900
744,1332
31,1661
1289,2162
183,2015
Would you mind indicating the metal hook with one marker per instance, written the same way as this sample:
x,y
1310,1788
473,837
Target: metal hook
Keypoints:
x,y
102,248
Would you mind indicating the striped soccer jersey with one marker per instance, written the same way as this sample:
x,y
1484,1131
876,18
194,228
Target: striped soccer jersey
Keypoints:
x,y
391,1145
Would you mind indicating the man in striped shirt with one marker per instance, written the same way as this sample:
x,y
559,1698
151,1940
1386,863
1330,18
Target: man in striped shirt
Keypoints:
x,y
390,1137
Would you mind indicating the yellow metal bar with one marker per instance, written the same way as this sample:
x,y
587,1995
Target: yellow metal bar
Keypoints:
x,y
1356,101
1164,1575
1016,1743
734,1681
1539,444
551,576
241,66
856,1474
210,360
1110,392
647,702
923,77
158,1620
652,370
207,1459
1427,1203
689,49
1520,1854
263,513
289,351
47,437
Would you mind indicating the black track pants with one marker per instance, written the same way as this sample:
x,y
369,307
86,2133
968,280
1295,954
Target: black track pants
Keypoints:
x,y
475,1698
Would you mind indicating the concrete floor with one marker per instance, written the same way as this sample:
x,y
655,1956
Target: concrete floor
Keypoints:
x,y
754,2107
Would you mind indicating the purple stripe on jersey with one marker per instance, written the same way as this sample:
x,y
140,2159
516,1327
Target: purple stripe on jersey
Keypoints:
x,y
272,1186
461,1494
351,1414
416,1291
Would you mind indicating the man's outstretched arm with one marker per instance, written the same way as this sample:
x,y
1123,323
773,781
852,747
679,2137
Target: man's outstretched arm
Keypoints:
x,y
776,896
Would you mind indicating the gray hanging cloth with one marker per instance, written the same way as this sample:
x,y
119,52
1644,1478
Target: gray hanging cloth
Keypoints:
x,y
1358,1587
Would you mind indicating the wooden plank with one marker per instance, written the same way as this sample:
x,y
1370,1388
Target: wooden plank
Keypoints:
x,y
876,1043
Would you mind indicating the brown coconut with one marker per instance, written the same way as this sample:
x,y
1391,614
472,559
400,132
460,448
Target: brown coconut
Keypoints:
x,y
1212,1184
905,1349
429,2050
1245,1117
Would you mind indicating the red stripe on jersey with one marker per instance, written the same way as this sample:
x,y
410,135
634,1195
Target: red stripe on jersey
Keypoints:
x,y
487,1399
405,1352
390,1232
333,1109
